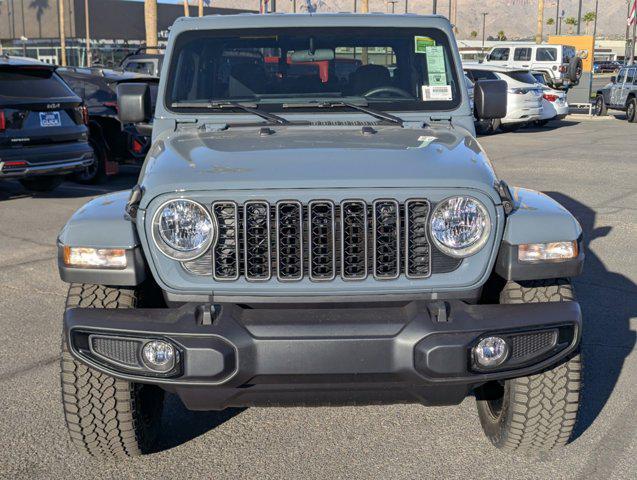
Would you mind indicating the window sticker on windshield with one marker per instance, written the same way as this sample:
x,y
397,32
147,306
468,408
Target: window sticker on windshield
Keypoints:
x,y
436,65
436,93
422,43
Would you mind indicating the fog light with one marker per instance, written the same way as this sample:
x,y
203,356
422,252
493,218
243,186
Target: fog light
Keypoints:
x,y
159,356
490,352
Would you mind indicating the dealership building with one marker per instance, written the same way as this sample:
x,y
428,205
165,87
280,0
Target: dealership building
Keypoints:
x,y
31,27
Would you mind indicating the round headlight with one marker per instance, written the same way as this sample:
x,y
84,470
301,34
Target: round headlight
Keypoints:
x,y
183,230
460,226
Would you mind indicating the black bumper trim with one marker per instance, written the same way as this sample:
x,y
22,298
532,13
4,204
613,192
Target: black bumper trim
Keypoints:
x,y
384,353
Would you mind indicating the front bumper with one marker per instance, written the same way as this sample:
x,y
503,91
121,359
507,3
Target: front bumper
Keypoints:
x,y
416,352
54,159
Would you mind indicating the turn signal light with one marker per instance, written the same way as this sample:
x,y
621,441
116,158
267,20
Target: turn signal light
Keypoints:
x,y
80,257
547,252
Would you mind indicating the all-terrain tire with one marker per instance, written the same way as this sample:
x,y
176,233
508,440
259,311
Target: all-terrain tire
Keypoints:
x,y
601,110
537,412
107,417
631,110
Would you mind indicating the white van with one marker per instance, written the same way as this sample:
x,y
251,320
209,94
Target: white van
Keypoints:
x,y
560,63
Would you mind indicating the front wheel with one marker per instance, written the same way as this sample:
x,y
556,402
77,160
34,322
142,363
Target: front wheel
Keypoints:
x,y
487,127
107,417
631,110
600,107
537,412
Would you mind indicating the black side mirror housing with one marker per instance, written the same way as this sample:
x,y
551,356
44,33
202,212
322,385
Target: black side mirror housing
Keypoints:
x,y
613,79
134,103
490,99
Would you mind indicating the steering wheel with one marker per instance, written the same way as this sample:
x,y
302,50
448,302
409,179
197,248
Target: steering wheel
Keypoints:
x,y
391,90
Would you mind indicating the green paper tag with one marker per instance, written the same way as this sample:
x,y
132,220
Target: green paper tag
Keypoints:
x,y
422,43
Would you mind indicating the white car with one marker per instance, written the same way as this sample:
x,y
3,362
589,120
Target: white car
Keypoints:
x,y
554,103
524,101
560,63
471,90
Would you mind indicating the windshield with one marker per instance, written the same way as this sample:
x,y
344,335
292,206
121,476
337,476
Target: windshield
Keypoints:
x,y
391,68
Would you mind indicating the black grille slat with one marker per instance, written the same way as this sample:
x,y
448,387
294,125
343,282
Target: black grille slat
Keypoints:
x,y
321,240
257,251
532,344
289,240
354,234
386,229
225,254
417,246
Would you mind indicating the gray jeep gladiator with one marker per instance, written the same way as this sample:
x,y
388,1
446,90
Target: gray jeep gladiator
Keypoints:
x,y
316,224
619,94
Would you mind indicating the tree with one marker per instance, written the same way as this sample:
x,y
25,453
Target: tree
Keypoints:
x,y
589,18
474,34
150,21
550,22
502,36
572,23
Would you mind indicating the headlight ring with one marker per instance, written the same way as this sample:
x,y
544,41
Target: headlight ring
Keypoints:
x,y
460,226
183,229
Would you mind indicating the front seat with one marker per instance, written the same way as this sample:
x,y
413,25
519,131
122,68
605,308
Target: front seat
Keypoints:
x,y
369,77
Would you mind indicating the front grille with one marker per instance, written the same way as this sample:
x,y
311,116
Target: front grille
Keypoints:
x,y
321,240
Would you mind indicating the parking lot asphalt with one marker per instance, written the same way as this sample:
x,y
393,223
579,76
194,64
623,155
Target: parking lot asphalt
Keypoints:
x,y
589,166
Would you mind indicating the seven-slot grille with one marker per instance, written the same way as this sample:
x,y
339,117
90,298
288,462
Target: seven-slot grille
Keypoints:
x,y
320,240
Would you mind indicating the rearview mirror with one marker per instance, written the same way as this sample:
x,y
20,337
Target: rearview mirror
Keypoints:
x,y
320,55
613,79
134,103
490,99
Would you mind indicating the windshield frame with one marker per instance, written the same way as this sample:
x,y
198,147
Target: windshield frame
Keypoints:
x,y
279,104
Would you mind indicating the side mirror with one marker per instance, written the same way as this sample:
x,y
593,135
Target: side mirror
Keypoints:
x,y
134,103
490,99
613,79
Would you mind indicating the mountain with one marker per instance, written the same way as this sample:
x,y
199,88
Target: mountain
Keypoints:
x,y
516,18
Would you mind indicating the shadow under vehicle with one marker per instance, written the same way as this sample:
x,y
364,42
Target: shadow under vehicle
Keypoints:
x,y
113,142
43,131
297,237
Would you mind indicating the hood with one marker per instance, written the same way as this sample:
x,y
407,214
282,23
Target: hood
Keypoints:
x,y
291,157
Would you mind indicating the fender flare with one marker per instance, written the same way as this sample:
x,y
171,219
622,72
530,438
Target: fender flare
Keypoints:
x,y
537,218
103,223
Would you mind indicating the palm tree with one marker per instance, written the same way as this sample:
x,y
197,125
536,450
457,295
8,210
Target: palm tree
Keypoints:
x,y
502,36
150,20
589,18
474,34
550,22
572,23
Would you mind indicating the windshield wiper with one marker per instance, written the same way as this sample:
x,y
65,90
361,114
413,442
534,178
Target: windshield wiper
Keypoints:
x,y
270,117
361,108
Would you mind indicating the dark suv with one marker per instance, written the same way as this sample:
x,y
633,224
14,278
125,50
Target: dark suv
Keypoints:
x,y
43,132
112,142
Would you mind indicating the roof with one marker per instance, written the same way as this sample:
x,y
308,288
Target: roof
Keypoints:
x,y
275,20
21,61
